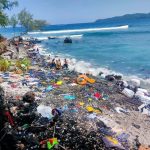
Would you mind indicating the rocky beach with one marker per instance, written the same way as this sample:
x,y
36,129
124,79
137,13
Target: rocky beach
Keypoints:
x,y
48,108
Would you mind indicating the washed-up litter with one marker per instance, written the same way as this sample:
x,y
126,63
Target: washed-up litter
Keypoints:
x,y
92,116
128,92
97,95
144,109
91,109
79,117
49,88
121,110
69,97
83,79
59,82
112,142
81,103
73,84
123,137
45,111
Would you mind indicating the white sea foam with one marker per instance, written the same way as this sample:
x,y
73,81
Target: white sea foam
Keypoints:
x,y
82,30
76,36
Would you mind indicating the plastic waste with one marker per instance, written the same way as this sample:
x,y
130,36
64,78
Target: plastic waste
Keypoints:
x,y
51,143
112,142
81,103
49,88
144,99
45,111
59,82
69,97
92,116
123,137
128,92
120,110
89,109
144,109
97,95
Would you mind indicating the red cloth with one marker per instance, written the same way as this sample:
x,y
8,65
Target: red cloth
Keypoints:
x,y
9,117
97,95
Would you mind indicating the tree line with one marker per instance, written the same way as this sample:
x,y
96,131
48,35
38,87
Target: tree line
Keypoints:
x,y
23,18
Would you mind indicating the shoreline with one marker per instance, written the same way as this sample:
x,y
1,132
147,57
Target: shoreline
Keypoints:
x,y
95,70
117,110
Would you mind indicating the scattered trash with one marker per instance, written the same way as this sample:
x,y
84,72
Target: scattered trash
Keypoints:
x,y
121,110
69,97
128,92
112,142
56,105
45,111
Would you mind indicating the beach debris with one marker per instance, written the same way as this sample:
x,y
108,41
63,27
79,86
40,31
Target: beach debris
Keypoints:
x,y
127,92
83,79
112,142
97,95
121,110
45,111
59,82
144,109
75,116
69,97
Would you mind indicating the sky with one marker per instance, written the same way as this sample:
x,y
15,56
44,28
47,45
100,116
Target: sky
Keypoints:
x,y
80,11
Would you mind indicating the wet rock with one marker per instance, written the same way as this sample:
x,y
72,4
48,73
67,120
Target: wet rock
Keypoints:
x,y
110,78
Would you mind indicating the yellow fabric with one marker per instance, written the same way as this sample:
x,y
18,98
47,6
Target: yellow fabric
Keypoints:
x,y
112,140
59,82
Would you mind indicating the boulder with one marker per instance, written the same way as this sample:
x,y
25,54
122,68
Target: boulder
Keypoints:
x,y
125,84
135,82
110,78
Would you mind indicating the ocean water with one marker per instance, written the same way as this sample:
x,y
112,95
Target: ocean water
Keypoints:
x,y
126,51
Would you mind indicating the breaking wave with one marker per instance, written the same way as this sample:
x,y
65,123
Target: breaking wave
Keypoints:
x,y
81,30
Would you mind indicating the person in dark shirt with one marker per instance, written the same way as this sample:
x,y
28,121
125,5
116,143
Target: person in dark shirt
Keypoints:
x,y
65,64
53,64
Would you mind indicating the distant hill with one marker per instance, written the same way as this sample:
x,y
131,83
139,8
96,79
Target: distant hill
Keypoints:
x,y
126,19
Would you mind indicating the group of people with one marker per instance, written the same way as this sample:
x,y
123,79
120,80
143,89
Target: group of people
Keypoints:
x,y
56,64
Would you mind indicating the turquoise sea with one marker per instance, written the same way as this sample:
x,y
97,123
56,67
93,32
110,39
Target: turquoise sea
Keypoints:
x,y
126,51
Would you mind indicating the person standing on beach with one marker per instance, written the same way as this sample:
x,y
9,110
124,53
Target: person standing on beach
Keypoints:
x,y
53,64
65,64
17,47
58,64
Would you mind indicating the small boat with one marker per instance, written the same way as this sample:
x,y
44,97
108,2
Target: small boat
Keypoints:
x,y
67,40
